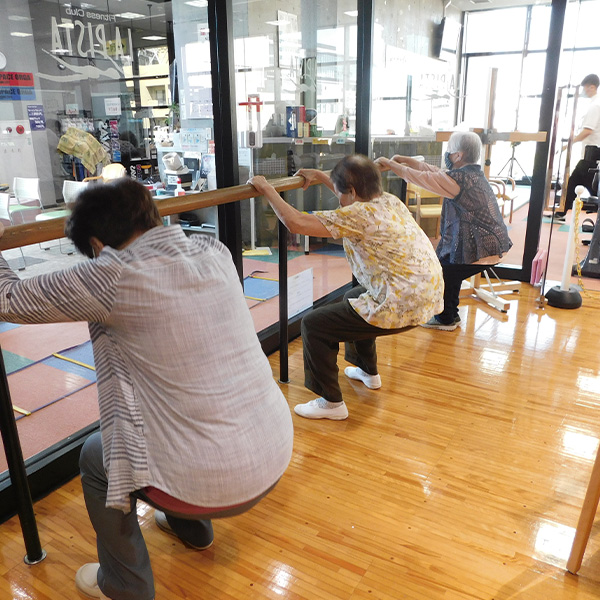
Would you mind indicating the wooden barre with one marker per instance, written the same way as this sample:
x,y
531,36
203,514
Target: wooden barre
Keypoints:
x,y
53,229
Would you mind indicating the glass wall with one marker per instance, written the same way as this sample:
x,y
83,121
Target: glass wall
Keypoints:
x,y
296,93
414,85
80,73
520,61
580,57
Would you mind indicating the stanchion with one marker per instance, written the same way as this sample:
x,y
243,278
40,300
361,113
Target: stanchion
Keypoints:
x,y
283,305
567,295
18,475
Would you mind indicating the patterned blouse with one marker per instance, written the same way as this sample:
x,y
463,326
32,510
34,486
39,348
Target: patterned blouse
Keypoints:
x,y
392,258
471,227
188,403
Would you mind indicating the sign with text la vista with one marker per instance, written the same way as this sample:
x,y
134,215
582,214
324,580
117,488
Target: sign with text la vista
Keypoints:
x,y
89,34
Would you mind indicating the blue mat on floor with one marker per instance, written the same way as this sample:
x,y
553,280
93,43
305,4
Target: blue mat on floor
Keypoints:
x,y
260,289
330,250
14,362
82,354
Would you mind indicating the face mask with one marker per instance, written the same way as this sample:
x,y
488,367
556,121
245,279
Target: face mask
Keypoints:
x,y
447,160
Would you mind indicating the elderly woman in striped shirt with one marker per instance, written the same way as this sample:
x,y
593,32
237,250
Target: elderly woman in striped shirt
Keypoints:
x,y
191,419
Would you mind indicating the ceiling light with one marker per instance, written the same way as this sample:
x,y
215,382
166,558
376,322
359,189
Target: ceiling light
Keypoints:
x,y
67,25
130,15
351,13
154,38
21,34
198,3
277,23
18,18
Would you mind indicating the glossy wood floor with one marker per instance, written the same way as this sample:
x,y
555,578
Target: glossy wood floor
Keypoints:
x,y
461,478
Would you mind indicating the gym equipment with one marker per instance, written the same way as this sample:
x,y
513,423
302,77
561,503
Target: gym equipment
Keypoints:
x,y
566,295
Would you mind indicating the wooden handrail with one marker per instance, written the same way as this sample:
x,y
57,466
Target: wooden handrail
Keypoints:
x,y
53,229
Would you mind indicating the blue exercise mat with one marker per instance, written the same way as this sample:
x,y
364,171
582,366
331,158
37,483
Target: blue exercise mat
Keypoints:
x,y
331,250
82,354
260,289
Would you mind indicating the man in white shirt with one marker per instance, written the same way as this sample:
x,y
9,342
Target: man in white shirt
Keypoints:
x,y
191,419
589,136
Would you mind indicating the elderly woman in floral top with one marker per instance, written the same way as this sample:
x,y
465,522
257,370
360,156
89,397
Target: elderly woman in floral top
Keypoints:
x,y
401,283
473,234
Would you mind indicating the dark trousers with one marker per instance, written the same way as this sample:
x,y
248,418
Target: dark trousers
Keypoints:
x,y
125,572
454,275
322,331
581,175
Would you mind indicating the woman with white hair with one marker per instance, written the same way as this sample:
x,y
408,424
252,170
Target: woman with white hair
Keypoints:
x,y
473,234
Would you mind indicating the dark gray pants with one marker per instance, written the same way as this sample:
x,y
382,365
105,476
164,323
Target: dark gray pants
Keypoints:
x,y
322,331
125,572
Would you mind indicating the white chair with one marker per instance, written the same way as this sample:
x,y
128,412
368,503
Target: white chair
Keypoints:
x,y
5,215
26,191
71,190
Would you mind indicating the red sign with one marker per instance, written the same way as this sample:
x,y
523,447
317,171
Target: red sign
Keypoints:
x,y
16,79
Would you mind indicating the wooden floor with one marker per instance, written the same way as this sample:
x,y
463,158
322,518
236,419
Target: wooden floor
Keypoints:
x,y
461,478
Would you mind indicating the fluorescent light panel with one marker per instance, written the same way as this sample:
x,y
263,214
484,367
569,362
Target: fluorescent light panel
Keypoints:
x,y
130,15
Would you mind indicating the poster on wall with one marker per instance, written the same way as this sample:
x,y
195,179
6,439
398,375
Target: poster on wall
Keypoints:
x,y
16,86
115,146
37,120
112,107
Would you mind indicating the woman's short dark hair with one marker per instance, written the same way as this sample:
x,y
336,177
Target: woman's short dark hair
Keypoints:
x,y
591,79
113,212
358,172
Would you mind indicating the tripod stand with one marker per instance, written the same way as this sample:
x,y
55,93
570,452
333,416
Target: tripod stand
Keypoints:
x,y
511,162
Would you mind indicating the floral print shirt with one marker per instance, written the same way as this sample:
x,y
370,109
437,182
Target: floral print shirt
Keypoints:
x,y
392,258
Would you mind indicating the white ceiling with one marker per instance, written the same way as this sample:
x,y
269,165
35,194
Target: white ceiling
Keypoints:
x,y
472,5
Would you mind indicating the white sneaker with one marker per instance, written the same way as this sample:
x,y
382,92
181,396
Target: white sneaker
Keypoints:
x,y
373,382
86,581
319,408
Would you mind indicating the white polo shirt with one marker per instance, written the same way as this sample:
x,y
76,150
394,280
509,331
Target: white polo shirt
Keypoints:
x,y
591,120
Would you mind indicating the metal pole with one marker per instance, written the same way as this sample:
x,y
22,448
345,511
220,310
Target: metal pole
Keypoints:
x,y
18,475
283,304
364,32
220,25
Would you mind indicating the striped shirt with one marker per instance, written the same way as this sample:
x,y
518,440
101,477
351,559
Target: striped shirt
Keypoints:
x,y
188,403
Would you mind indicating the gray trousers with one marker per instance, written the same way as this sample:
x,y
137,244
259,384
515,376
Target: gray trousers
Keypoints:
x,y
322,331
125,572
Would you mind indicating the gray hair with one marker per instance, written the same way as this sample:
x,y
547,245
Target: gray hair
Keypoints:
x,y
466,142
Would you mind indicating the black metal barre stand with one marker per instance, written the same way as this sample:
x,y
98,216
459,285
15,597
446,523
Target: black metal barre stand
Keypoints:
x,y
18,474
283,304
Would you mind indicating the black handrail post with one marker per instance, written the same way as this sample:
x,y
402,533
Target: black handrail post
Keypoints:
x,y
283,304
18,475
364,52
220,26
